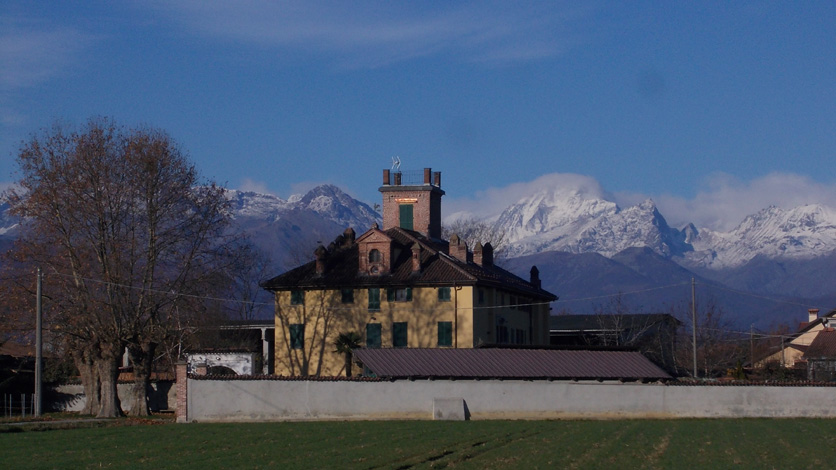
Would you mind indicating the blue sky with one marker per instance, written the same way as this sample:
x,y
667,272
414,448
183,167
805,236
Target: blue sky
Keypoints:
x,y
713,109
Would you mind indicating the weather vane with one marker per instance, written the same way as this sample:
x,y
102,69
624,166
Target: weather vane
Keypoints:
x,y
396,163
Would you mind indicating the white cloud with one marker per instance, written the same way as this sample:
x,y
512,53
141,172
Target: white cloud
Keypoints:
x,y
375,34
490,202
725,200
32,52
248,184
721,205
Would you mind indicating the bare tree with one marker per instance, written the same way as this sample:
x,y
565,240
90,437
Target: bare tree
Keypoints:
x,y
126,234
720,347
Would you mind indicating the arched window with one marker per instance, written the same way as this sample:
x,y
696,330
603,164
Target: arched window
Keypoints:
x,y
375,256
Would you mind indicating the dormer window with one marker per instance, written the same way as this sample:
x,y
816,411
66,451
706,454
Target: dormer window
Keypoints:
x,y
375,256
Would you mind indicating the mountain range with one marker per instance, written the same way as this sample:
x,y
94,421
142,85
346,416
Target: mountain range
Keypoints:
x,y
594,254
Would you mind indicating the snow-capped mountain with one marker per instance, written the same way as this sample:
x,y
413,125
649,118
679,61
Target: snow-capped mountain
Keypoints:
x,y
328,201
7,222
289,230
573,221
577,222
801,233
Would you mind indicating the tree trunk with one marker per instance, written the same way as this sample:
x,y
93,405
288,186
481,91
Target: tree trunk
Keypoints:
x,y
348,363
108,367
142,357
89,381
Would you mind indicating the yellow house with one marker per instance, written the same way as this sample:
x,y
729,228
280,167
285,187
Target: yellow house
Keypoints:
x,y
793,351
402,286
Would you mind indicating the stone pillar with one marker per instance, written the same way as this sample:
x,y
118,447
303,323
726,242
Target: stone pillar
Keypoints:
x,y
265,352
182,383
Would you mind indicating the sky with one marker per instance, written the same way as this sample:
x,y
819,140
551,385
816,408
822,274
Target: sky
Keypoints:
x,y
714,110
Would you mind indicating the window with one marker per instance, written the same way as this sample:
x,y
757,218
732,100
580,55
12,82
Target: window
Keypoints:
x,y
406,216
297,336
347,296
520,336
297,297
375,256
443,294
399,335
445,333
374,299
502,334
373,335
399,295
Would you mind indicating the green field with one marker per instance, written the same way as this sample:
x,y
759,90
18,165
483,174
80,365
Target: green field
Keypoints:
x,y
716,444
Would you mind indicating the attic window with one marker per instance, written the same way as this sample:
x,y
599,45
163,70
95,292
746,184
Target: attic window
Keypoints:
x,y
375,256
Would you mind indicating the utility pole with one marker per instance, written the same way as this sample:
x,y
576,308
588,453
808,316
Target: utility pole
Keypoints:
x,y
694,321
752,344
38,347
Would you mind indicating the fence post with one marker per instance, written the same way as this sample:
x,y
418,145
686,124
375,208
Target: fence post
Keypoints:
x,y
182,384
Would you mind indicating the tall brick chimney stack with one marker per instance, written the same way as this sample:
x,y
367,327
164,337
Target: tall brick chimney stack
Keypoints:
x,y
483,254
320,253
458,248
416,258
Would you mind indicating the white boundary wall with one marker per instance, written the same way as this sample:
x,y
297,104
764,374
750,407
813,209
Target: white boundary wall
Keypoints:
x,y
267,400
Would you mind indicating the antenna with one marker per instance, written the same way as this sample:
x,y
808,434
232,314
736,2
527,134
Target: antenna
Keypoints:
x,y
396,163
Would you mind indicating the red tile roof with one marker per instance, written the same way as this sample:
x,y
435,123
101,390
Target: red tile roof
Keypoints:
x,y
823,345
438,268
496,363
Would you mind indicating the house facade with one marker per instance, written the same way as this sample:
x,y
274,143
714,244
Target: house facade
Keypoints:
x,y
402,286
791,352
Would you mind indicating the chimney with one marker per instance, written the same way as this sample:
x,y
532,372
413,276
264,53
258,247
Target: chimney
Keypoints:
x,y
416,258
350,236
487,254
398,178
320,254
386,178
535,277
813,314
483,254
437,179
458,248
428,176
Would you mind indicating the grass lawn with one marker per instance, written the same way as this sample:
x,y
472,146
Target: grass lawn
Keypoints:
x,y
617,444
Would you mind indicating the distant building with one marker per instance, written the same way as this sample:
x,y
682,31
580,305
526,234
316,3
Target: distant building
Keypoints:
x,y
652,334
792,350
402,286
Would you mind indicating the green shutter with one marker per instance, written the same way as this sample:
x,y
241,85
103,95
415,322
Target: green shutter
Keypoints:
x,y
297,336
406,216
374,298
444,294
445,333
297,297
390,294
399,335
373,335
409,294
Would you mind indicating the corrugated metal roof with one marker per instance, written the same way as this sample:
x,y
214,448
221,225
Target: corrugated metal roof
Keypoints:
x,y
509,364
